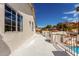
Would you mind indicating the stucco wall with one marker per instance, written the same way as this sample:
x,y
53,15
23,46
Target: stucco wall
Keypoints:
x,y
15,39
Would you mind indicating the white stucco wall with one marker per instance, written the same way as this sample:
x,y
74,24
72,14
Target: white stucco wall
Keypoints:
x,y
15,39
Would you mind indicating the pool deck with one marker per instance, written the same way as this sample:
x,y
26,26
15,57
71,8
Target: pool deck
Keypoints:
x,y
37,46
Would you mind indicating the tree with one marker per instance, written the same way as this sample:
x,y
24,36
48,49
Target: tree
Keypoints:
x,y
49,26
60,26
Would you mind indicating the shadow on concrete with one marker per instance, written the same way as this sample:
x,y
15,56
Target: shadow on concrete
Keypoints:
x,y
4,49
60,53
47,40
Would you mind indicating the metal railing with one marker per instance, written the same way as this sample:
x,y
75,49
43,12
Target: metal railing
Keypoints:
x,y
66,40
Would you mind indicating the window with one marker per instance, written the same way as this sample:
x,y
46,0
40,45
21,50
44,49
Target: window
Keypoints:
x,y
10,19
19,22
7,18
31,25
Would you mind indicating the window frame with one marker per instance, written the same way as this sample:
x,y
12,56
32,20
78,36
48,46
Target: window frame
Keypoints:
x,y
11,20
19,22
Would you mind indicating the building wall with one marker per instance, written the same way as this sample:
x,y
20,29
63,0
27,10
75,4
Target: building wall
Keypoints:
x,y
15,39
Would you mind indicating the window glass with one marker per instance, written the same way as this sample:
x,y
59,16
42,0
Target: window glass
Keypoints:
x,y
13,28
19,22
7,28
13,23
7,14
13,12
14,17
18,16
10,20
7,8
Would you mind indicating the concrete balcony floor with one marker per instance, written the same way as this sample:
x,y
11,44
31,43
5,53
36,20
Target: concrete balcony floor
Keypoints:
x,y
36,46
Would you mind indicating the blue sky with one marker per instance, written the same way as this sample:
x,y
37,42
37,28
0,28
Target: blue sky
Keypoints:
x,y
52,13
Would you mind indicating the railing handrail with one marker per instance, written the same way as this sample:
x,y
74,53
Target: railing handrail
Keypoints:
x,y
62,34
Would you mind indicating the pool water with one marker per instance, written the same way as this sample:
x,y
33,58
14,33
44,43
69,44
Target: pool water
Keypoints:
x,y
74,48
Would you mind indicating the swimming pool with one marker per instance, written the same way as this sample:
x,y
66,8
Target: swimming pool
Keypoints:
x,y
75,49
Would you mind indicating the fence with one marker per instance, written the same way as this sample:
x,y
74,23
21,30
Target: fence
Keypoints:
x,y
66,40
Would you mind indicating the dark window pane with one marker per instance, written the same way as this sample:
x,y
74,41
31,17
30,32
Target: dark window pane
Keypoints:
x,y
7,21
14,17
13,12
13,23
18,28
7,28
7,14
13,28
21,17
18,16
7,8
18,24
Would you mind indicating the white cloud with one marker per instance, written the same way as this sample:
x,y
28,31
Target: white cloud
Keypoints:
x,y
73,19
64,17
70,12
70,19
73,11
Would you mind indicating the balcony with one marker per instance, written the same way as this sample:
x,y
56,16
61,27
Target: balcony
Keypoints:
x,y
39,46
